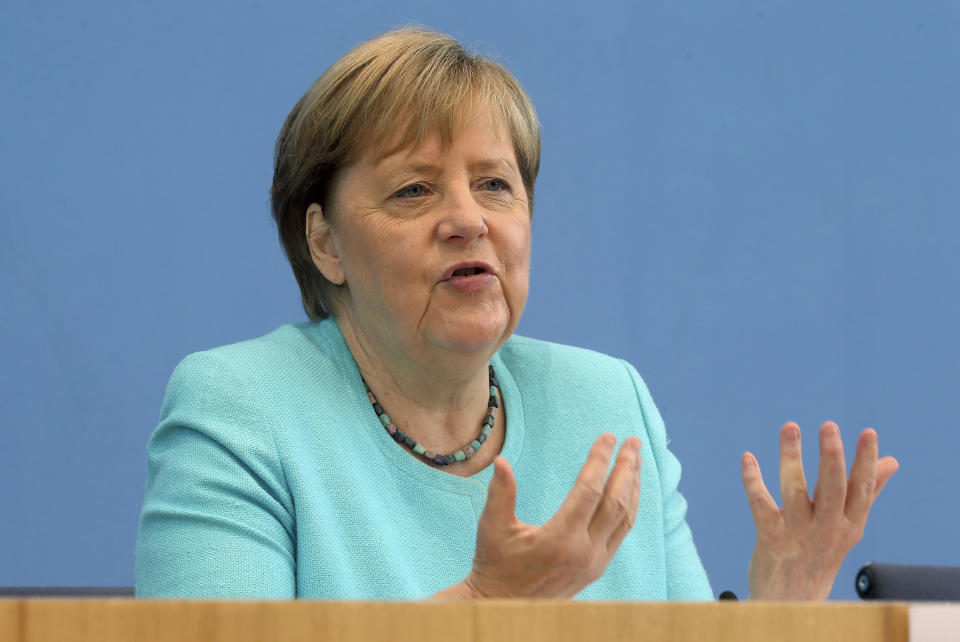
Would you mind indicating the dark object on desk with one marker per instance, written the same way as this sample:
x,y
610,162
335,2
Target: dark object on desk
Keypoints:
x,y
908,583
66,591
728,595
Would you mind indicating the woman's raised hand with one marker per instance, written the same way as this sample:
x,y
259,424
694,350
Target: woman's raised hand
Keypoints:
x,y
572,550
801,546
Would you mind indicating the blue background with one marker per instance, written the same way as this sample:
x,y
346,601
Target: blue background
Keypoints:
x,y
753,202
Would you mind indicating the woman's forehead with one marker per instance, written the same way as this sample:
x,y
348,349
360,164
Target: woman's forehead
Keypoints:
x,y
480,163
481,144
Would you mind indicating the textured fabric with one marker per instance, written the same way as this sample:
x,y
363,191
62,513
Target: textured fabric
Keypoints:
x,y
270,476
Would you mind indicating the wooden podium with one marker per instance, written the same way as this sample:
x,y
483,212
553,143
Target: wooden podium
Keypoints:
x,y
128,620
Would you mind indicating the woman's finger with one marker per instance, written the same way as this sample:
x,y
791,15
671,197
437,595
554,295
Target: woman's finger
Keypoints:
x,y
578,509
617,494
797,508
628,521
863,478
500,508
762,505
830,494
886,467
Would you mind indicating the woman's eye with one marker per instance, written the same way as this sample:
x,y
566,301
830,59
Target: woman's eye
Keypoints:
x,y
412,191
496,185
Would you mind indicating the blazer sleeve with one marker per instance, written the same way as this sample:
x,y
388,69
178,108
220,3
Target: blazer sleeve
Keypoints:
x,y
218,518
686,577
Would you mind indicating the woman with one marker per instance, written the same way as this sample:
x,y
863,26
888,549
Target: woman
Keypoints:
x,y
403,443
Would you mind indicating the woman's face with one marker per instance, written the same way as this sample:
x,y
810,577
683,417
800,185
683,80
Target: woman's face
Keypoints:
x,y
433,243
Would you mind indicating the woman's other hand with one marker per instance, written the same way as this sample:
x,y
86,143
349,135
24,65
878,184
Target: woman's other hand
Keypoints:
x,y
800,547
573,549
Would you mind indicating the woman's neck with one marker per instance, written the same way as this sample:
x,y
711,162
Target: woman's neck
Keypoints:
x,y
438,399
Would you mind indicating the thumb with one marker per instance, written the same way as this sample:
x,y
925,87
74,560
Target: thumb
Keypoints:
x,y
502,494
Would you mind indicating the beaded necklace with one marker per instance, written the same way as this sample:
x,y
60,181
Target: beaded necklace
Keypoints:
x,y
442,460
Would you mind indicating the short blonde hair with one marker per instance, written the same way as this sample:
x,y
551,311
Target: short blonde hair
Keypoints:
x,y
412,78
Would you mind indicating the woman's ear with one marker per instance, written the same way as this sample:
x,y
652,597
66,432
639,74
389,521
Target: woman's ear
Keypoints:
x,y
323,248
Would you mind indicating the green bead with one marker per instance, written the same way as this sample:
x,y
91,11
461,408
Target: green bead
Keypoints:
x,y
419,449
385,419
493,391
475,444
459,456
487,430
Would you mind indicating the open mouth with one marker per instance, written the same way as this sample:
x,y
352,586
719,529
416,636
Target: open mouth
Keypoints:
x,y
470,278
467,269
470,271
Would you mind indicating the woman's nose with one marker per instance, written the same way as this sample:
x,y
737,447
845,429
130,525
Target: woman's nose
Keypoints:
x,y
462,218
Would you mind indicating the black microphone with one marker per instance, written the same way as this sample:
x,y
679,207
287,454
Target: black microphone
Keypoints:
x,y
908,583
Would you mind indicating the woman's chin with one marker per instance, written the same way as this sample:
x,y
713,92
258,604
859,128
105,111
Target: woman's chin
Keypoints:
x,y
469,335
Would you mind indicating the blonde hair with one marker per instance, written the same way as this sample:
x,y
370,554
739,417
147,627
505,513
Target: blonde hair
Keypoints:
x,y
411,81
